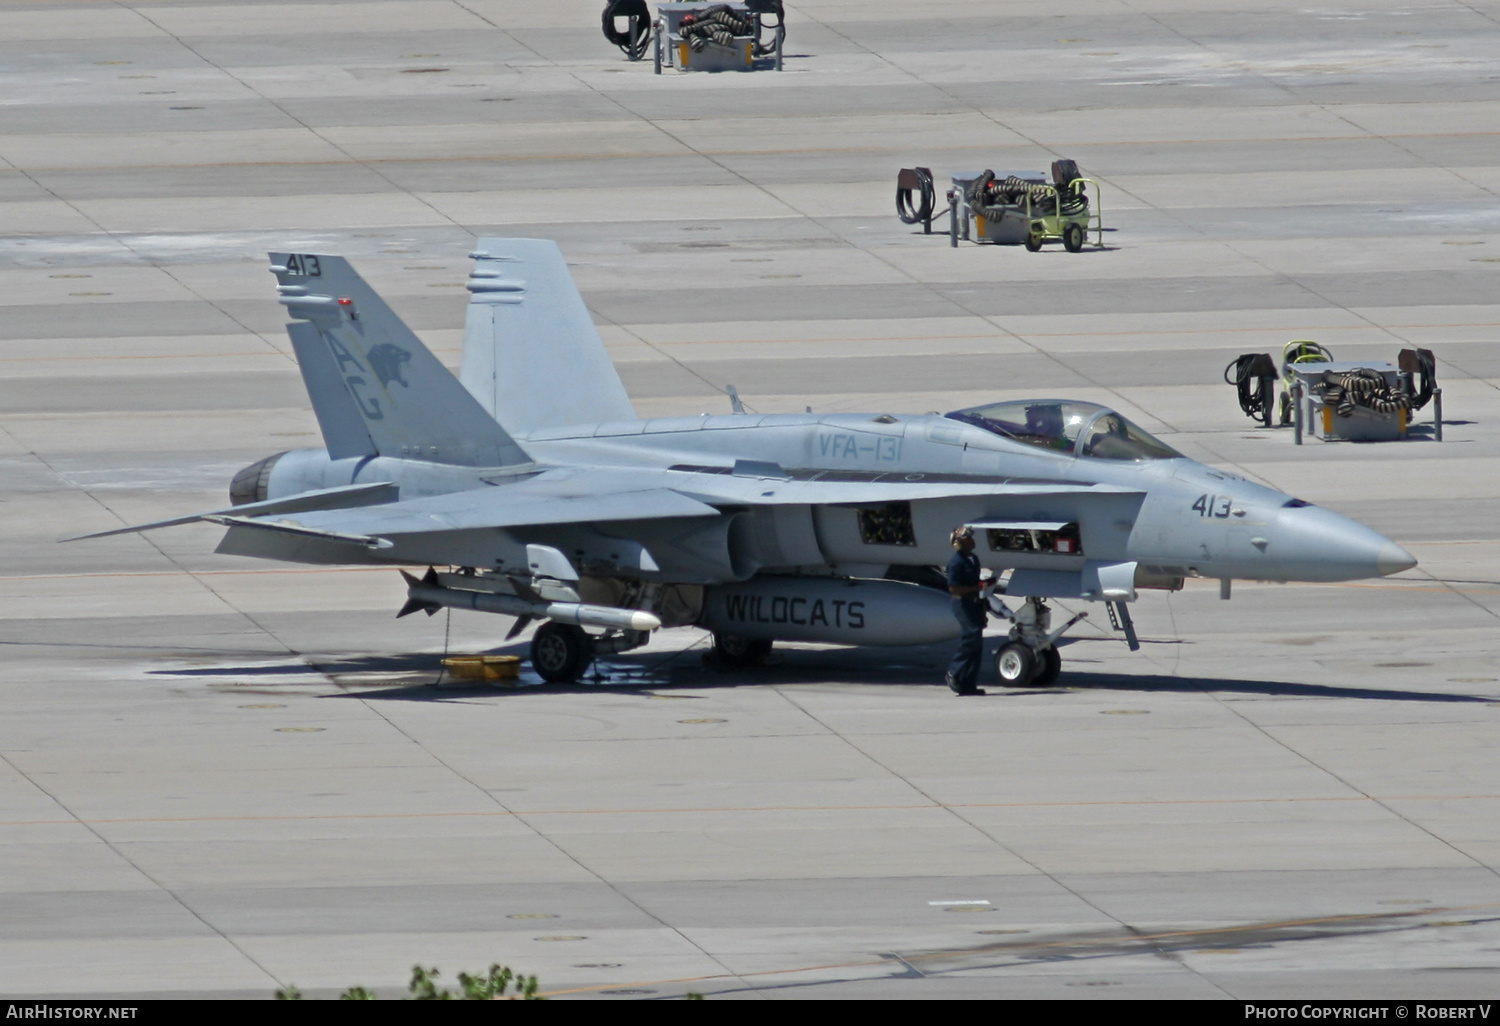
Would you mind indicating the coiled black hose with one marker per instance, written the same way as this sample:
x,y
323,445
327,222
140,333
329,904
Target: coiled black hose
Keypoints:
x,y
718,23
924,188
1363,387
1254,380
987,192
778,36
632,44
1424,380
1073,202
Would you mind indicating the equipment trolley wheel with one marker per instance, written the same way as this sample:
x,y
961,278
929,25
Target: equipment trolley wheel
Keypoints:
x,y
1015,664
561,652
733,650
1033,243
1051,666
1073,238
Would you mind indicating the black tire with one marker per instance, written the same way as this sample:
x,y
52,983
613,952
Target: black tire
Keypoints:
x,y
561,652
1047,672
1073,238
1015,664
733,650
1033,243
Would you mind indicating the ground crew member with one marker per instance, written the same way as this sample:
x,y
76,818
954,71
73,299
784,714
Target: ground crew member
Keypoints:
x,y
968,608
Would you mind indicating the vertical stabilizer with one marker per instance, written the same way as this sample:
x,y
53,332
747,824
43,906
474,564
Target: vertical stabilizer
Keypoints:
x,y
532,356
375,387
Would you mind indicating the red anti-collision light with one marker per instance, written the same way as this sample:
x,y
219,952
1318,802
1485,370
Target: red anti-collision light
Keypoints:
x,y
346,302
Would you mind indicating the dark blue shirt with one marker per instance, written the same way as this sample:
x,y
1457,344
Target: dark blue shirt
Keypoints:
x,y
963,572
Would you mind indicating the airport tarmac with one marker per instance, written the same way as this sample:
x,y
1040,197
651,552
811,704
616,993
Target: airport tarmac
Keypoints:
x,y
219,776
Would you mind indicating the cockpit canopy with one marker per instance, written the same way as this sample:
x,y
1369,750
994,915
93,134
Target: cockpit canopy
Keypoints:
x,y
1064,426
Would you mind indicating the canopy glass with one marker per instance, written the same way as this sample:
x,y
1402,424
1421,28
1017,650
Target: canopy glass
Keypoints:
x,y
1060,425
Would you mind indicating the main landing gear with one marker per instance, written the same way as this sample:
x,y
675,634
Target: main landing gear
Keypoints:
x,y
733,650
561,653
1030,657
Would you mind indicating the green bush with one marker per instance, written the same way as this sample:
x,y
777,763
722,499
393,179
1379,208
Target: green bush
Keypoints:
x,y
495,984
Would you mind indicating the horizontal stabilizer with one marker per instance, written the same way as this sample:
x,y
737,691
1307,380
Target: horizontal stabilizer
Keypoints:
x,y
323,498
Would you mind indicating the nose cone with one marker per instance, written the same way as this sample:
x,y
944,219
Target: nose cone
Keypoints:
x,y
1393,559
1314,544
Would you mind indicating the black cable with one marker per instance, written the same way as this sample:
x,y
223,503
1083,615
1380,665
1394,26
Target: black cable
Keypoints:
x,y
633,45
1425,380
447,632
719,23
1364,387
904,208
1074,201
763,8
1253,377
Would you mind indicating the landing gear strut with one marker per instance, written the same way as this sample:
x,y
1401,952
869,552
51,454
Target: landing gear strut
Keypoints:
x,y
1030,657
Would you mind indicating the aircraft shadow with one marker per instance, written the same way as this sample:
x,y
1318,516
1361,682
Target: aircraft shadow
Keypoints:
x,y
415,662
419,676
1270,688
658,672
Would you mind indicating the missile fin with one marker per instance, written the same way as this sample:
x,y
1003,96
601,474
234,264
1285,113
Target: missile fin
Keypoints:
x,y
412,605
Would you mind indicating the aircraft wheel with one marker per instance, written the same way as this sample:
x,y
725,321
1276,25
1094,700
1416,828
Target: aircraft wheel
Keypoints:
x,y
1033,243
1051,666
1073,238
561,652
733,650
1015,664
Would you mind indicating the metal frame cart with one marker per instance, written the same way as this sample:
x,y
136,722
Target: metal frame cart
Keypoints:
x,y
1339,399
1042,211
674,50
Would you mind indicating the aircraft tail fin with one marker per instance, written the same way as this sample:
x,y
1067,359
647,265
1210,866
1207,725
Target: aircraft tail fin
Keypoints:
x,y
376,389
532,356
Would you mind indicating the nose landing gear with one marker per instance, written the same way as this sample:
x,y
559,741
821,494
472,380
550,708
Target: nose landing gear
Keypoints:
x,y
1030,658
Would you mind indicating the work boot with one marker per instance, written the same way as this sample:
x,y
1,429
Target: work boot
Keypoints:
x,y
961,689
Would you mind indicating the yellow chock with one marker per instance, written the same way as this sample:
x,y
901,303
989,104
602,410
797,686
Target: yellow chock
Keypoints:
x,y
484,667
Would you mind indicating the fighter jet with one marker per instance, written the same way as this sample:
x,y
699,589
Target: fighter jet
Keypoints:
x,y
543,496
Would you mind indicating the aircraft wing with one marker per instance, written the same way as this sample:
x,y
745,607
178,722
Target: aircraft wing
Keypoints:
x,y
524,503
570,496
574,496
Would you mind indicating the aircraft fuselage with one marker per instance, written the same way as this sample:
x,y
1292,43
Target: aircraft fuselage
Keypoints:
x,y
1174,517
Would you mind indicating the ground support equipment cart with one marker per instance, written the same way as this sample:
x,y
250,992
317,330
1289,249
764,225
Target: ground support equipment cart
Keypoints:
x,y
1339,399
720,37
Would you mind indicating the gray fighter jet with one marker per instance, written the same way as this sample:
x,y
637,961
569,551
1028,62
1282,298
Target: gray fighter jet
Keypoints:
x,y
533,482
